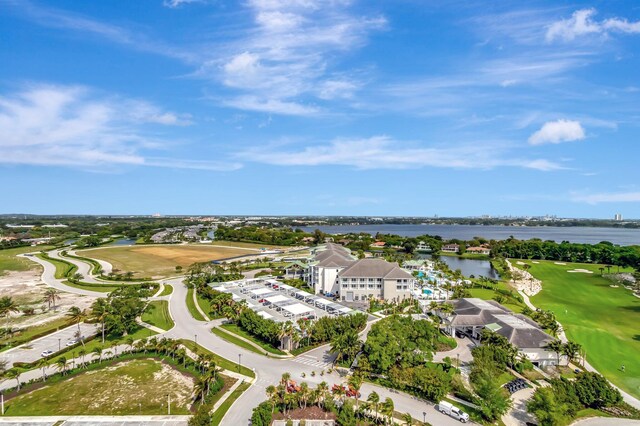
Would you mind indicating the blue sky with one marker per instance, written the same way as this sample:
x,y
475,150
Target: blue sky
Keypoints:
x,y
346,107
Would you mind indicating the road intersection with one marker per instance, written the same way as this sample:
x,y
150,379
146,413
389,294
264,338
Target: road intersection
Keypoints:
x,y
268,370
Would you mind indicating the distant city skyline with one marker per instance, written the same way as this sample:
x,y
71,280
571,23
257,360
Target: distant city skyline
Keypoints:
x,y
404,108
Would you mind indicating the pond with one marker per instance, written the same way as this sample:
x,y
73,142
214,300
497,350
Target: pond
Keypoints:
x,y
468,267
123,242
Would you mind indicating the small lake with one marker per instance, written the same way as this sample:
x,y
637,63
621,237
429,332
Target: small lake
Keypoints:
x,y
468,267
123,242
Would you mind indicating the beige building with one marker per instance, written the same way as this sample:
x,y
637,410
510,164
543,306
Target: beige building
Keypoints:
x,y
369,279
336,271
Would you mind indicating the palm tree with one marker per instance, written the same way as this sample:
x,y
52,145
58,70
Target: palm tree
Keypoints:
x,y
555,346
82,353
43,363
387,409
13,374
100,310
77,315
7,305
571,350
129,342
322,389
61,363
407,419
374,400
303,394
98,352
199,389
51,296
355,382
272,394
285,379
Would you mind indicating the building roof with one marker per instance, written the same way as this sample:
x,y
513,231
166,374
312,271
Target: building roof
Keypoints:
x,y
375,268
519,330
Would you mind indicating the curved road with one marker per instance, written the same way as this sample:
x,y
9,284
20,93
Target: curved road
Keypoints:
x,y
268,370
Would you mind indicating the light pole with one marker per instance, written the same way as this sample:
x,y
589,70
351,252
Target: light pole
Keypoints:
x,y
458,361
424,417
239,362
59,345
196,336
2,402
169,404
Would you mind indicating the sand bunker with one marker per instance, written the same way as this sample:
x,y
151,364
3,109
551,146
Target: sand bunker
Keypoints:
x,y
536,262
583,271
559,263
520,263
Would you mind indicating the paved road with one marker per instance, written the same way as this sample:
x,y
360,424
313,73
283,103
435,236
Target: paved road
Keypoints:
x,y
601,421
97,420
268,370
31,352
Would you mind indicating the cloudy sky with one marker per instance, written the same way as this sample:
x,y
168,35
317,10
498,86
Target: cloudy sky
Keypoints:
x,y
403,107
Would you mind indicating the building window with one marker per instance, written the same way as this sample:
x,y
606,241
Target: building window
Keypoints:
x,y
379,286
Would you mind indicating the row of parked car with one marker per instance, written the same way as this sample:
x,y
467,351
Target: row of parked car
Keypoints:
x,y
71,342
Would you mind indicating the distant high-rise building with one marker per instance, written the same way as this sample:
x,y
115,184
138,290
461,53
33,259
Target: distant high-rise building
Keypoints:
x,y
617,217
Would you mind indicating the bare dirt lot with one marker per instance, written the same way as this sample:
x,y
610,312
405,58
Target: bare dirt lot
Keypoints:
x,y
160,261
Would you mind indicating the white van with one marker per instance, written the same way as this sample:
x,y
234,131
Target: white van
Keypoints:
x,y
449,409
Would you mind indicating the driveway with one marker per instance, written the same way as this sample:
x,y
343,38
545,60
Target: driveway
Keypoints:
x,y
463,351
518,414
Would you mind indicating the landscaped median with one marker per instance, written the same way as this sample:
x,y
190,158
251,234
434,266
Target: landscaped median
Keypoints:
x,y
157,314
232,333
191,306
64,269
220,361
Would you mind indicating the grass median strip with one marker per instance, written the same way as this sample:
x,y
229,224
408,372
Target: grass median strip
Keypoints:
x,y
167,290
220,361
157,314
233,328
219,414
192,306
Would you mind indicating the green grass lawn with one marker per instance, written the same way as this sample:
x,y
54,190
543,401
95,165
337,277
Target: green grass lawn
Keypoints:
x,y
602,319
232,328
9,262
168,289
220,361
157,314
131,387
106,288
192,306
204,304
217,416
230,337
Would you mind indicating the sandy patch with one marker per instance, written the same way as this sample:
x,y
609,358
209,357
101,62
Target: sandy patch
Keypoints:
x,y
613,286
559,263
582,271
519,262
27,289
535,261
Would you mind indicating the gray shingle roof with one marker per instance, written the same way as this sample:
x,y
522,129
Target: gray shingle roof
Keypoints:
x,y
520,330
374,268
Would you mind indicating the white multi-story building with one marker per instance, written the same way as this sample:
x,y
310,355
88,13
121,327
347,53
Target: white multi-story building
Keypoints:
x,y
334,270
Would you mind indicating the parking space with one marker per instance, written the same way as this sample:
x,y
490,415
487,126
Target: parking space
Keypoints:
x,y
272,299
54,342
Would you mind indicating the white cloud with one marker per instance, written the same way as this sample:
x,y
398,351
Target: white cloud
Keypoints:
x,y
607,197
177,3
72,126
288,54
382,152
558,131
582,23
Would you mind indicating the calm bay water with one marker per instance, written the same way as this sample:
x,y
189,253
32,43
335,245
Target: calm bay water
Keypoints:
x,y
574,234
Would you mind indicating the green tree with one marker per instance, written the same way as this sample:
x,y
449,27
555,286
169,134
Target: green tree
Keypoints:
x,y
547,408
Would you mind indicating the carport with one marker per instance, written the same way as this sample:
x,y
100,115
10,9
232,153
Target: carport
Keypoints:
x,y
298,310
260,292
276,299
323,303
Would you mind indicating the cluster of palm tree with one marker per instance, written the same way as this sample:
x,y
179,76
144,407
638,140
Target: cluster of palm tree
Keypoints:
x,y
346,346
287,395
570,349
51,296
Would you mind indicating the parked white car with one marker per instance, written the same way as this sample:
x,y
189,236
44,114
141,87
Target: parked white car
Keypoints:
x,y
46,353
453,411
